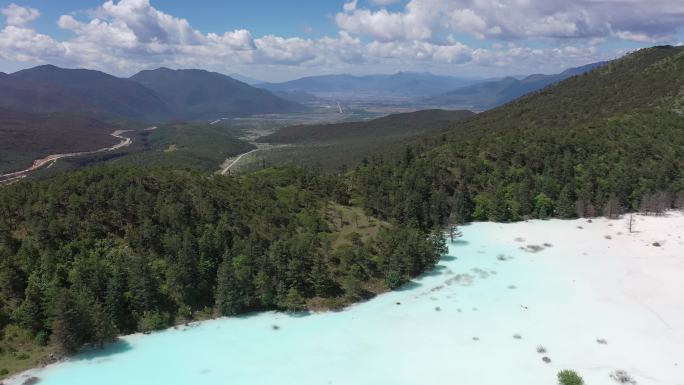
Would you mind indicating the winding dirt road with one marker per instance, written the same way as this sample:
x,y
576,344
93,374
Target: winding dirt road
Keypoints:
x,y
51,159
225,170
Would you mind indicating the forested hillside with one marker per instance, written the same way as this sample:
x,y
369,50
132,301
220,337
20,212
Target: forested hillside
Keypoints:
x,y
149,96
107,250
389,127
489,94
185,145
199,94
48,88
344,145
598,143
26,136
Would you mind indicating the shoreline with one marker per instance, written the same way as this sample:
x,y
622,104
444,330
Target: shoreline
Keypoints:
x,y
569,272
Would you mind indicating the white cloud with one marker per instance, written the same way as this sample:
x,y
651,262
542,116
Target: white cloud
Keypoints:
x,y
24,44
125,36
18,16
19,42
456,53
350,6
383,25
519,19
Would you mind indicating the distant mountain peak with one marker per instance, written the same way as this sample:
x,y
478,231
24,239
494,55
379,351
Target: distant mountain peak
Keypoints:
x,y
48,88
404,83
493,93
201,94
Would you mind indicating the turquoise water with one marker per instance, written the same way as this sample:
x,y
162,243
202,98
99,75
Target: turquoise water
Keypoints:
x,y
449,326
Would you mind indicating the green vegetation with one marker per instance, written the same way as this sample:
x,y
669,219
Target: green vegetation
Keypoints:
x,y
26,136
598,143
392,126
341,145
21,349
569,377
107,250
199,94
185,145
486,95
179,145
154,95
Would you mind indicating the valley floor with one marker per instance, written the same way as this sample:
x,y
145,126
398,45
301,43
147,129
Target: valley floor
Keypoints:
x,y
510,304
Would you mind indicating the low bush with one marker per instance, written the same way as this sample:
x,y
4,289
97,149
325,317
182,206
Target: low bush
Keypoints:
x,y
569,377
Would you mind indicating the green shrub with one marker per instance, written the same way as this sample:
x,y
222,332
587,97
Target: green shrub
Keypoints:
x,y
569,377
41,339
394,280
154,320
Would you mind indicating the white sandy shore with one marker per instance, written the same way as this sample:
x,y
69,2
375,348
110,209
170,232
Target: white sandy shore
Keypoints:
x,y
561,284
604,283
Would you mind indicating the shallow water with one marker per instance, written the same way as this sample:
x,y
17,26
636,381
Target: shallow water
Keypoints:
x,y
453,325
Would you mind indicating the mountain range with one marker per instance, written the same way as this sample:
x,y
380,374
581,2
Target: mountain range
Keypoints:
x,y
111,249
160,94
489,94
403,83
198,94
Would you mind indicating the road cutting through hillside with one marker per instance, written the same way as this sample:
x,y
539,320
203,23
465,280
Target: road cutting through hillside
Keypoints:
x,y
226,169
51,159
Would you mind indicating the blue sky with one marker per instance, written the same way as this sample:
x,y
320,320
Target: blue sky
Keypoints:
x,y
278,40
262,17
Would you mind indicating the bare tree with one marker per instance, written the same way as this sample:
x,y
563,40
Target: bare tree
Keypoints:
x,y
663,202
589,210
454,232
580,210
656,203
630,223
612,209
453,221
679,202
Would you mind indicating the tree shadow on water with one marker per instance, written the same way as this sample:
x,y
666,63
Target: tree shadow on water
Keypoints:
x,y
118,347
408,286
437,270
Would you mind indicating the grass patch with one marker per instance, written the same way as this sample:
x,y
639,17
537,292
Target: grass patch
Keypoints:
x,y
350,221
19,351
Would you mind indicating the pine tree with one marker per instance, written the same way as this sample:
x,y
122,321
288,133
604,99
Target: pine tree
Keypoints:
x,y
500,210
68,326
103,327
116,303
229,297
294,301
351,283
31,314
566,203
320,276
543,206
461,207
